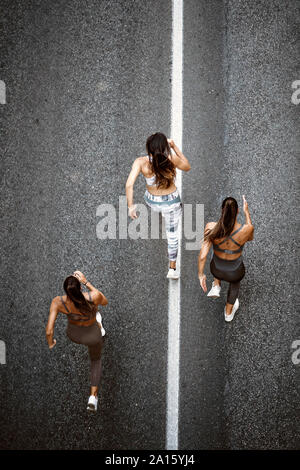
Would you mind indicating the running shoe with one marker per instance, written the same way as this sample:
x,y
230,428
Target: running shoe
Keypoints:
x,y
92,404
233,311
173,274
214,292
99,320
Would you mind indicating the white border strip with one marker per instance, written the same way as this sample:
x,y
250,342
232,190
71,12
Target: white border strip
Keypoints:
x,y
174,286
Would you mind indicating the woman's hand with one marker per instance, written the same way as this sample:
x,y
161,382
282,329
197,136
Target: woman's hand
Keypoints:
x,y
171,143
245,205
202,279
80,276
53,344
132,212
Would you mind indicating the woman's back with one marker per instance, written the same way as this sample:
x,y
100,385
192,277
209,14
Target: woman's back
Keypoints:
x,y
230,247
75,315
151,180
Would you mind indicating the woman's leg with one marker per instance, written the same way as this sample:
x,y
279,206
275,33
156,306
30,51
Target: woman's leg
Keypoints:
x,y
89,336
96,367
218,275
232,295
232,276
234,286
171,222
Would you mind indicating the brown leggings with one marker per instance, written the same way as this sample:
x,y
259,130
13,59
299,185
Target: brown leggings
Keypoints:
x,y
231,271
91,337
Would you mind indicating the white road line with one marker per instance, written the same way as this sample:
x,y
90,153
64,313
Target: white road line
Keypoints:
x,y
174,286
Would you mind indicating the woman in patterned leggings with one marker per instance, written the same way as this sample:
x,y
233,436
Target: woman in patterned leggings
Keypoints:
x,y
159,170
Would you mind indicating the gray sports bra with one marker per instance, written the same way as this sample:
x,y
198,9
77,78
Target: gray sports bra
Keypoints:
x,y
229,252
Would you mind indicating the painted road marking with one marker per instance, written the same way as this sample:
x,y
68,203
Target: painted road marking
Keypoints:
x,y
174,286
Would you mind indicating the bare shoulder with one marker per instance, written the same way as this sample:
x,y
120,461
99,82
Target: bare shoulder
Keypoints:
x,y
210,225
95,295
138,164
56,303
249,231
140,160
144,165
246,233
247,228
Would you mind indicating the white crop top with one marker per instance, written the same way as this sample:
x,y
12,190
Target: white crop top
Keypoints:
x,y
150,181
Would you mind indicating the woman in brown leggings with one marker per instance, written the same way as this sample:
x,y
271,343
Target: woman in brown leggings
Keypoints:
x,y
83,328
227,238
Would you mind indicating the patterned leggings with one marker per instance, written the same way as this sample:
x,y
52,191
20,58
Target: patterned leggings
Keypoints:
x,y
170,207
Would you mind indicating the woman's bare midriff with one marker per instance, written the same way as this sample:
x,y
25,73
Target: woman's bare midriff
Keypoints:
x,y
161,192
83,324
227,256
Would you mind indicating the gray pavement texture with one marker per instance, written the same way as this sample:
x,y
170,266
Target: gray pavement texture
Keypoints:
x,y
87,82
239,387
80,104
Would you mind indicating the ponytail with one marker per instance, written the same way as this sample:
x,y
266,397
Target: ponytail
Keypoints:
x,y
165,172
225,224
73,291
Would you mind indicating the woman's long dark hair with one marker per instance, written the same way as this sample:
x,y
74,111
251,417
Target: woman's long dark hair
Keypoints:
x,y
73,291
158,148
224,226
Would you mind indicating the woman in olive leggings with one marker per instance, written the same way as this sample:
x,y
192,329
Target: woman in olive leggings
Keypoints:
x,y
83,328
227,238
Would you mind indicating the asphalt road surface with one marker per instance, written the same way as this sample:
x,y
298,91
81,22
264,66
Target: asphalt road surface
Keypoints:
x,y
86,83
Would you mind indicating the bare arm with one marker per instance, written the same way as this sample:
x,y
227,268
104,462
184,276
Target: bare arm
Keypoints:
x,y
51,322
248,224
97,297
135,171
206,245
179,160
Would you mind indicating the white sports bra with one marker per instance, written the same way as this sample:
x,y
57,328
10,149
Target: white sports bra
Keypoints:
x,y
150,181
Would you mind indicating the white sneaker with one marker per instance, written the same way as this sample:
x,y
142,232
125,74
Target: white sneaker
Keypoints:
x,y
92,403
99,320
234,309
173,274
214,292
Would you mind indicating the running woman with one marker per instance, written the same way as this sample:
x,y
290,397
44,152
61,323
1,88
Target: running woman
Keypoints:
x,y
83,327
159,170
227,238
